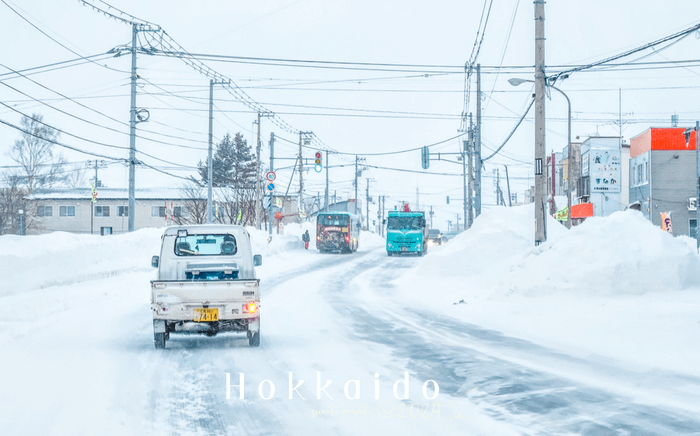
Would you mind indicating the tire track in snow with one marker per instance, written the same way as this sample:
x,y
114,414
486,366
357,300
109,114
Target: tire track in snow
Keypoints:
x,y
521,390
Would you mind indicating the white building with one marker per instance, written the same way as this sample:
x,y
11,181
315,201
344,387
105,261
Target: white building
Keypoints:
x,y
72,210
602,177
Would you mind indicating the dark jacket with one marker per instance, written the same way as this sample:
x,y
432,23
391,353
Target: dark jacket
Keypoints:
x,y
305,237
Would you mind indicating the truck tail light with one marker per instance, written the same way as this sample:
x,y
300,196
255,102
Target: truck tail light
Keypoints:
x,y
347,238
318,238
250,307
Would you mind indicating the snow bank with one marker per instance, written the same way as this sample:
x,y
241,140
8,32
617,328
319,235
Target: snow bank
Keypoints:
x,y
40,261
620,254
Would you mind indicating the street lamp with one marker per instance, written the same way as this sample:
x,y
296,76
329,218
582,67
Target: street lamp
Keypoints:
x,y
516,82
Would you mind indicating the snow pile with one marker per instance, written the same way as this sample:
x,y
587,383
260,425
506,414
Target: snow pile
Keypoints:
x,y
623,253
40,261
620,254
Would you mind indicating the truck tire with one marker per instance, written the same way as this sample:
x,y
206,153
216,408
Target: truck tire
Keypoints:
x,y
389,253
254,339
159,340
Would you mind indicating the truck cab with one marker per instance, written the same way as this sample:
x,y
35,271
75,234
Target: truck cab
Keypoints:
x,y
406,233
206,283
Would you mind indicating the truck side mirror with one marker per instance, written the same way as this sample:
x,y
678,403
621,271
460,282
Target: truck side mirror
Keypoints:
x,y
257,260
154,261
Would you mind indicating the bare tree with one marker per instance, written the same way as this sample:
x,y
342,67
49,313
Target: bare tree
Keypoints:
x,y
195,202
12,200
33,152
75,178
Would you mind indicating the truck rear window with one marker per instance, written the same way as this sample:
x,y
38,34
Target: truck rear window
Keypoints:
x,y
206,245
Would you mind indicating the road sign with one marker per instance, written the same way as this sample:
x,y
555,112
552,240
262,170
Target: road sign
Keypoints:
x,y
271,176
266,202
271,187
278,201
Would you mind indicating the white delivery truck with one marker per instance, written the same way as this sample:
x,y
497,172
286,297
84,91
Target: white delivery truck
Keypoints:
x,y
206,283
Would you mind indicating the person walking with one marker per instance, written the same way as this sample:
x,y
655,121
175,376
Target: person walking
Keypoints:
x,y
306,238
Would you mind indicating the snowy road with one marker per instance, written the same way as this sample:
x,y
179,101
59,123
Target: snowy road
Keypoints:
x,y
85,364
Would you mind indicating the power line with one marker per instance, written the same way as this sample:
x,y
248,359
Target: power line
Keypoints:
x,y
7,123
56,41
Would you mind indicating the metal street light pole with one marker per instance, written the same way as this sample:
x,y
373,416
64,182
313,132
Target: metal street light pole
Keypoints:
x,y
516,82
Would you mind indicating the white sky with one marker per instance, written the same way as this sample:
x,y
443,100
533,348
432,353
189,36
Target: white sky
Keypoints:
x,y
405,32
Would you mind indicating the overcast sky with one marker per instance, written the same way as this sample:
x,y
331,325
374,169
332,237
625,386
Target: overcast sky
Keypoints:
x,y
354,109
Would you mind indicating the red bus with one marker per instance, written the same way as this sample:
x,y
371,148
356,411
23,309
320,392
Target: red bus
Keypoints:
x,y
337,232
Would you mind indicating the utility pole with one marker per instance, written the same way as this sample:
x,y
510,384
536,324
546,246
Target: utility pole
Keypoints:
x,y
383,212
470,178
498,188
510,201
431,217
210,160
270,215
301,176
258,185
258,200
457,223
367,206
327,169
210,165
97,164
697,182
356,158
477,151
306,141
132,133
540,84
464,182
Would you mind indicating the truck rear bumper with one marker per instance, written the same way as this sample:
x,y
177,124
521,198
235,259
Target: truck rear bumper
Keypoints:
x,y
229,325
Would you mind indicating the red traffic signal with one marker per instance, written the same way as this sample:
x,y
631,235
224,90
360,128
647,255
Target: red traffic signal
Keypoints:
x,y
317,163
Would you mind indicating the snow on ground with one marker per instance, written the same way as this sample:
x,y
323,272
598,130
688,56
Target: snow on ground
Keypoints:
x,y
615,287
590,332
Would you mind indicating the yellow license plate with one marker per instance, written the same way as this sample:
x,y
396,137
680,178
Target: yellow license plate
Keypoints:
x,y
202,315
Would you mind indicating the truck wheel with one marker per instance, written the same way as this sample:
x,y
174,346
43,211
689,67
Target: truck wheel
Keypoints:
x,y
254,339
389,253
159,340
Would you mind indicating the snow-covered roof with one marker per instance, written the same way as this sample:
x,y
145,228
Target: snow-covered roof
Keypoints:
x,y
110,194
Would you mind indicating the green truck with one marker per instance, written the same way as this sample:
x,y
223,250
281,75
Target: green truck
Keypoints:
x,y
406,233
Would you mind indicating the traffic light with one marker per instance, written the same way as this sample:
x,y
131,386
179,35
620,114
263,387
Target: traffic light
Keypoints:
x,y
425,157
318,167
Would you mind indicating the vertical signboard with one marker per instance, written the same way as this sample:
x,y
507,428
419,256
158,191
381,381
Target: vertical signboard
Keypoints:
x,y
605,170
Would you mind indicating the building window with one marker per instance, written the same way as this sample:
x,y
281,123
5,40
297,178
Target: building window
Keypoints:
x,y
693,227
101,210
177,211
122,210
44,211
646,166
104,231
640,174
66,211
158,211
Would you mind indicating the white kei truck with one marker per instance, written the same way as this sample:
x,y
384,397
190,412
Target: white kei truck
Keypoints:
x,y
206,283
